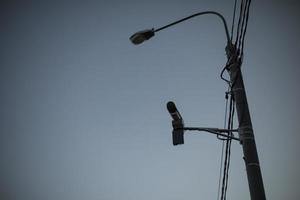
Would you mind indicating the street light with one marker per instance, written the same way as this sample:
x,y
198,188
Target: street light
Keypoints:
x,y
141,36
245,130
177,123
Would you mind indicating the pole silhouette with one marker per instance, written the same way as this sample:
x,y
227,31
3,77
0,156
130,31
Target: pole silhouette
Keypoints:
x,y
246,135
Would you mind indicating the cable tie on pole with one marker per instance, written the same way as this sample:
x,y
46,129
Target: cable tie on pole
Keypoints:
x,y
237,89
253,164
245,133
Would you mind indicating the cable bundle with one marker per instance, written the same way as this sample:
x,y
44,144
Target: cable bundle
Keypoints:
x,y
235,51
242,26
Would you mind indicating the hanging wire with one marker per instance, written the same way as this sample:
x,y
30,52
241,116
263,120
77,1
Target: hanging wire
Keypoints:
x,y
220,171
239,23
243,24
227,153
222,73
230,126
233,20
246,25
225,115
223,140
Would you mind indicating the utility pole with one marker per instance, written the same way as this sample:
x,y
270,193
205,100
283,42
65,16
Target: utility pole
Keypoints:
x,y
246,136
245,130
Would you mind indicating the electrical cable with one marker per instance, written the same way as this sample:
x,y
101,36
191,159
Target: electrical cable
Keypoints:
x,y
225,117
233,20
230,125
242,26
220,171
227,154
239,23
222,72
223,142
246,25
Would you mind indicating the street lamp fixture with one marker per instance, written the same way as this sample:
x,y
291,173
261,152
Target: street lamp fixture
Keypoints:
x,y
141,36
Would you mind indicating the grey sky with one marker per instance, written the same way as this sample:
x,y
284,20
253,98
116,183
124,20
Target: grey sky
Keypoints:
x,y
83,111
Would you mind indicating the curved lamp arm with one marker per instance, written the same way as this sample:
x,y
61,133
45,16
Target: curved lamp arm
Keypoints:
x,y
141,36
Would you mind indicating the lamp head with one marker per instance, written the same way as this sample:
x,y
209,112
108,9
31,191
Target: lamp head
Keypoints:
x,y
141,36
177,124
171,107
173,111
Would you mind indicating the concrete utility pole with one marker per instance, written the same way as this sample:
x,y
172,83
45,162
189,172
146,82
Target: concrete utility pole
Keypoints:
x,y
245,130
246,136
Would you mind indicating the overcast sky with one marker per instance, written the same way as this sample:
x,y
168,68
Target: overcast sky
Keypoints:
x,y
83,110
